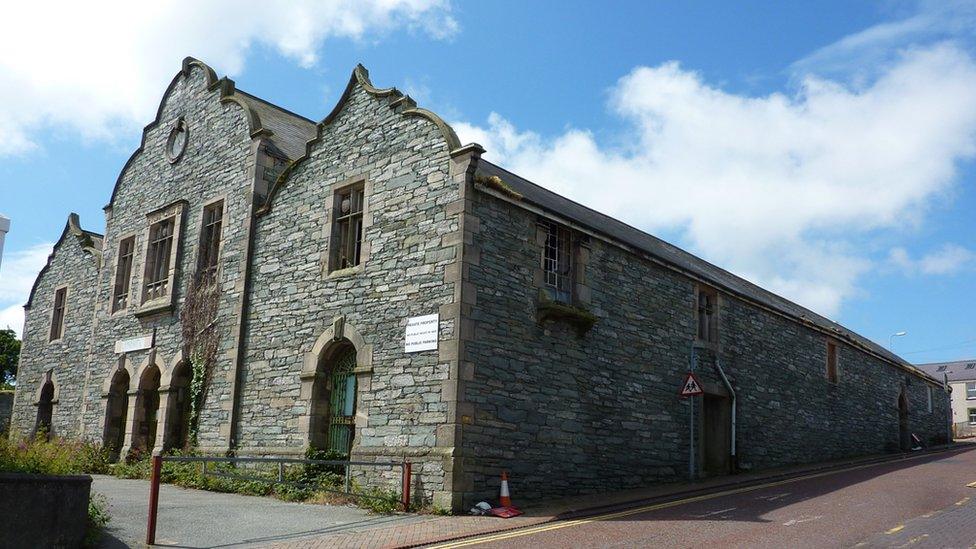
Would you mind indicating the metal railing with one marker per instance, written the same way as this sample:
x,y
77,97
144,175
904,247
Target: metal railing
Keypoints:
x,y
279,478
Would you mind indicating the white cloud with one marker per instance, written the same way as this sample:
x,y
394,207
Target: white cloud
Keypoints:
x,y
100,67
864,53
947,260
778,188
17,273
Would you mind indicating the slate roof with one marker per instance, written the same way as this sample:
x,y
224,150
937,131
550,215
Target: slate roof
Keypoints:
x,y
960,370
716,276
290,131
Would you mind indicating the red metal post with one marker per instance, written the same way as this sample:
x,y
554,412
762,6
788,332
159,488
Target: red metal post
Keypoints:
x,y
406,486
157,465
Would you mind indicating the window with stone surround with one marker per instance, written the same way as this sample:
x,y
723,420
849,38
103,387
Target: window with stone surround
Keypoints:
x,y
972,416
971,390
831,362
347,226
123,274
158,257
210,233
707,314
557,261
57,315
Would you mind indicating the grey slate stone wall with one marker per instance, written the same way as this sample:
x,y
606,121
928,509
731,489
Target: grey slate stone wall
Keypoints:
x,y
294,300
66,358
566,414
217,164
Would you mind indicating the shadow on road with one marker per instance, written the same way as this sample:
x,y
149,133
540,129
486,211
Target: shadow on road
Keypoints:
x,y
752,504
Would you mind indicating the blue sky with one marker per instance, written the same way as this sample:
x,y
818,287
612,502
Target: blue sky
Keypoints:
x,y
822,149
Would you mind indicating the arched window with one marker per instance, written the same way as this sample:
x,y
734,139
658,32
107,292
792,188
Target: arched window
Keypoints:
x,y
333,421
116,408
147,408
179,407
45,410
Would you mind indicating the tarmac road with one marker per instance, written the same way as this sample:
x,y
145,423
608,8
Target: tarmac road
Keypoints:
x,y
922,501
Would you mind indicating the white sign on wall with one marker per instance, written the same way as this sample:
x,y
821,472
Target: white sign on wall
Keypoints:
x,y
133,344
421,333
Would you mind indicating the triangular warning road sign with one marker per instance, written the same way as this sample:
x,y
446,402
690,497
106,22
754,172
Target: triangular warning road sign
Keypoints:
x,y
691,386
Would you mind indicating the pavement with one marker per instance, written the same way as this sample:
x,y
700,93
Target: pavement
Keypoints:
x,y
197,518
825,505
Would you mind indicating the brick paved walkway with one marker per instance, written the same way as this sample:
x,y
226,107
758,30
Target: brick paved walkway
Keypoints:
x,y
425,532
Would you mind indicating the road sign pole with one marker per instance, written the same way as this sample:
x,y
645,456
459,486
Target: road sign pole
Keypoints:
x,y
691,445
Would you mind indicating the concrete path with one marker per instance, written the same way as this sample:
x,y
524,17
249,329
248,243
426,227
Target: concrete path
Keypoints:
x,y
196,518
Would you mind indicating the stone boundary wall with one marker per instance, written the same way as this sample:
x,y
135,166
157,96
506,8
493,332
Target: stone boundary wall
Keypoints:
x,y
43,510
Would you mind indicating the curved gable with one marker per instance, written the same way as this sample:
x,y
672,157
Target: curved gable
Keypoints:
x,y
88,241
228,94
404,104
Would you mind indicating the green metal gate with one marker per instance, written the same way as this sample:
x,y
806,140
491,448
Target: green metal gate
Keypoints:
x,y
342,402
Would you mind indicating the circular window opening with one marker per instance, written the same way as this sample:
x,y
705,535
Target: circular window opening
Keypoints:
x,y
176,144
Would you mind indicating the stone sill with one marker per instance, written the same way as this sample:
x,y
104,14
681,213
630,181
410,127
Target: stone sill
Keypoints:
x,y
153,307
347,272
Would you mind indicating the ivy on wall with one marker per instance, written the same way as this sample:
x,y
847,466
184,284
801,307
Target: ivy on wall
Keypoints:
x,y
201,341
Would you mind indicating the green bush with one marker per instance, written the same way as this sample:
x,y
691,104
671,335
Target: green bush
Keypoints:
x,y
98,518
303,482
56,456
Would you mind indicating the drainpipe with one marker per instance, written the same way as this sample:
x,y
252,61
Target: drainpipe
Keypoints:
x,y
721,372
691,419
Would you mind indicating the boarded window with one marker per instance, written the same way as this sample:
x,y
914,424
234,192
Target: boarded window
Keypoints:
x,y
707,314
348,227
158,257
57,318
831,362
557,261
123,274
210,239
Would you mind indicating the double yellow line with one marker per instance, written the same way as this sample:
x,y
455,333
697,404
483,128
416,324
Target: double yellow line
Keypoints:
x,y
547,527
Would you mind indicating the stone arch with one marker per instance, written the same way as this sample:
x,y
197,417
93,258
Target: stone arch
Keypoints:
x,y
144,414
115,393
904,432
175,403
336,371
45,399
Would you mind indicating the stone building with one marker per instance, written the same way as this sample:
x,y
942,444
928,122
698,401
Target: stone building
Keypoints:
x,y
546,339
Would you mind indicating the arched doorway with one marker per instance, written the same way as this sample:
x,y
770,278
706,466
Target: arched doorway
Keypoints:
x,y
333,408
178,407
45,410
146,410
116,408
904,434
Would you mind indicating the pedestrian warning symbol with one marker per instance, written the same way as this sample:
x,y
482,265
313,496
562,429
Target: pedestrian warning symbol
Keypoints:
x,y
691,386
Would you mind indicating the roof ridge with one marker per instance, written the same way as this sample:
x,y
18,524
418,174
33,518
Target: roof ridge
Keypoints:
x,y
276,106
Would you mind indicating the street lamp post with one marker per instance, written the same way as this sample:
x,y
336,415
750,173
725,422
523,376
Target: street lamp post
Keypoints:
x,y
4,227
894,335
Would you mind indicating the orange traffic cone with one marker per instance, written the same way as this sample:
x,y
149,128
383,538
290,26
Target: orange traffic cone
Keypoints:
x,y
504,499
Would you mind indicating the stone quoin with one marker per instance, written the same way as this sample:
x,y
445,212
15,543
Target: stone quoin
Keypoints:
x,y
560,344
